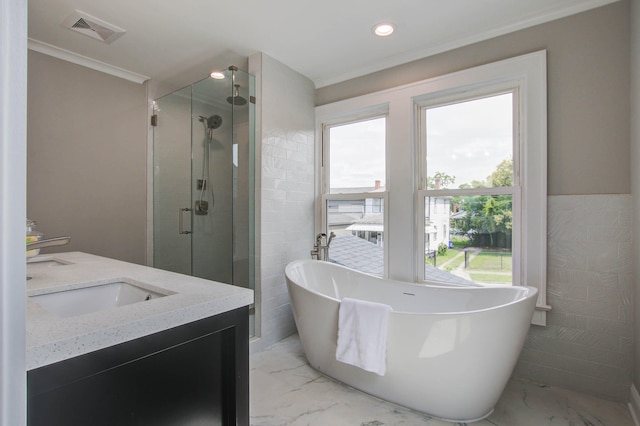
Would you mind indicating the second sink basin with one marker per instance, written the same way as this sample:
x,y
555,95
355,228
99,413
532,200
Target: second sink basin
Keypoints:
x,y
69,303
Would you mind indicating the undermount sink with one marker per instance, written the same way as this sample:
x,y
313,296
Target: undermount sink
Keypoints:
x,y
44,264
69,303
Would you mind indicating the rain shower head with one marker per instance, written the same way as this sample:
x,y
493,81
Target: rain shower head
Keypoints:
x,y
213,122
236,99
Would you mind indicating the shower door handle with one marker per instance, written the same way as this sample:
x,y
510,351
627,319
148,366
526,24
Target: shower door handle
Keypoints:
x,y
180,223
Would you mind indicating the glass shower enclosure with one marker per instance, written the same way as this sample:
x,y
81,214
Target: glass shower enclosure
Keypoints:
x,y
203,179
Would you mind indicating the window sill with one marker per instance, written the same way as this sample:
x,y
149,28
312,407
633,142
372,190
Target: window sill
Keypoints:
x,y
540,315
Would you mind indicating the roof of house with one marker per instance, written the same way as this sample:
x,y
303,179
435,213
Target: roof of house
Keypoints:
x,y
372,222
357,253
357,190
360,254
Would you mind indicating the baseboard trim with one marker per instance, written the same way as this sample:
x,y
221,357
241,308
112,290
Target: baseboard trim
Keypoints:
x,y
634,405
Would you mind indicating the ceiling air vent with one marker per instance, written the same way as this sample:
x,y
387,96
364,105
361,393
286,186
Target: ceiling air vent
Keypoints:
x,y
93,27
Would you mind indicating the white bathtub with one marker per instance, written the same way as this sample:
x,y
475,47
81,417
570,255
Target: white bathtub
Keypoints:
x,y
450,350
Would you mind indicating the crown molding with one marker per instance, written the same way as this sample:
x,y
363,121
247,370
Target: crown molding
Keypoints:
x,y
67,55
417,54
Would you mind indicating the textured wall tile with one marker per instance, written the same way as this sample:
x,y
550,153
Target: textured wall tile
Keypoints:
x,y
563,227
287,190
562,378
567,320
565,254
586,345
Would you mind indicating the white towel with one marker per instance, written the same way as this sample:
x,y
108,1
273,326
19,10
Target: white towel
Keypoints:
x,y
362,334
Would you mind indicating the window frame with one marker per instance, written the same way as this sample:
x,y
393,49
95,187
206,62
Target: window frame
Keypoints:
x,y
400,104
378,111
439,99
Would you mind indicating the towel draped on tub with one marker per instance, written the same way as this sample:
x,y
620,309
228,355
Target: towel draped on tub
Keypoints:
x,y
362,334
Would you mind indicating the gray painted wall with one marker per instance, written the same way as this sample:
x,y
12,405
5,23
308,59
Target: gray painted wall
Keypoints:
x,y
588,93
587,344
88,150
635,177
86,157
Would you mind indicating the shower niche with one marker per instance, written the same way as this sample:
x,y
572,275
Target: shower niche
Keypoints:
x,y
203,179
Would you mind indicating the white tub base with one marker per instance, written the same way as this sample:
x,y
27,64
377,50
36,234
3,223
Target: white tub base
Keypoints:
x,y
450,350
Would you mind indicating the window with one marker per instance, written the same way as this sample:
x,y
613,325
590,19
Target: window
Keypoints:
x,y
449,171
467,145
354,191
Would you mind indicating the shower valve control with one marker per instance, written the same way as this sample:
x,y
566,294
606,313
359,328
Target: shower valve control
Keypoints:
x,y
201,207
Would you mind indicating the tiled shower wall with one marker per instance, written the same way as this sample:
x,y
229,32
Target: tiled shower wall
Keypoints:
x,y
587,343
287,189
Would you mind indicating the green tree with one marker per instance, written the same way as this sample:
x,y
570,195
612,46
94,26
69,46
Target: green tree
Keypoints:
x,y
487,216
445,180
503,175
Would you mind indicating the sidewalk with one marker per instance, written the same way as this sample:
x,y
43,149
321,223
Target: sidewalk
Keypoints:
x,y
462,272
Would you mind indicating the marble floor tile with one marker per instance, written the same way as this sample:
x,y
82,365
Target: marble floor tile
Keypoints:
x,y
285,390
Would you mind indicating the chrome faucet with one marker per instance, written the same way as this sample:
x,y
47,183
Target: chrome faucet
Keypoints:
x,y
321,251
315,253
49,242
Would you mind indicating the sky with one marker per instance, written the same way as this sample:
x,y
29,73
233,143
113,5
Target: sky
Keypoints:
x,y
357,154
468,140
465,140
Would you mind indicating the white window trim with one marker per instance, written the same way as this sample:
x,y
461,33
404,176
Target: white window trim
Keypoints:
x,y
528,72
341,117
463,94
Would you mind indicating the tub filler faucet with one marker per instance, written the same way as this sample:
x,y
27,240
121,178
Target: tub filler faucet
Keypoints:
x,y
321,247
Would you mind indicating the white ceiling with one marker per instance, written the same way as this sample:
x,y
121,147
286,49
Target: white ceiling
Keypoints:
x,y
327,41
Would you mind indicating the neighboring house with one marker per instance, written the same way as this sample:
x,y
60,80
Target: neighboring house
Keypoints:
x,y
369,228
364,218
436,224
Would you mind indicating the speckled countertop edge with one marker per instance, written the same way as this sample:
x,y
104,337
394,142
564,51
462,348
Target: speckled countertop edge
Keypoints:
x,y
52,339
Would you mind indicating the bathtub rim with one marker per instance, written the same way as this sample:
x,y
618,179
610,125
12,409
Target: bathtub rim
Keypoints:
x,y
528,291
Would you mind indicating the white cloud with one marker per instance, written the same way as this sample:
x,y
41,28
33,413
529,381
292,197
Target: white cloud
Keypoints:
x,y
466,140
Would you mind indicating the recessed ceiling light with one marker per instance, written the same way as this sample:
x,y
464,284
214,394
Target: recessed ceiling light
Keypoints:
x,y
383,30
217,75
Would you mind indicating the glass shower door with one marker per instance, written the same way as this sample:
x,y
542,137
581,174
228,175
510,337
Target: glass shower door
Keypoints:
x,y
203,205
212,181
172,182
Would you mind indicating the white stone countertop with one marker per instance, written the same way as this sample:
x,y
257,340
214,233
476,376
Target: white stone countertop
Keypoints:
x,y
51,338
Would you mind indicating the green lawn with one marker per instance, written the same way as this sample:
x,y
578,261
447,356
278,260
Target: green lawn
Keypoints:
x,y
491,261
490,278
480,266
450,254
455,263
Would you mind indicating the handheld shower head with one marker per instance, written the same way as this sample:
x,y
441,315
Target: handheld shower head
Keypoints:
x,y
212,122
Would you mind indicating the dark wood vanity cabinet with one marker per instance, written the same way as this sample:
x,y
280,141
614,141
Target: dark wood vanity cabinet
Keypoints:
x,y
194,374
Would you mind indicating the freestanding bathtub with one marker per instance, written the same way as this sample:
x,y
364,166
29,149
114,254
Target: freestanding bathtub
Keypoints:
x,y
450,350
